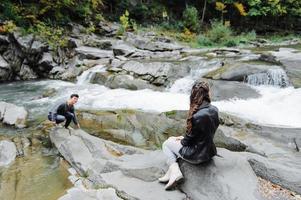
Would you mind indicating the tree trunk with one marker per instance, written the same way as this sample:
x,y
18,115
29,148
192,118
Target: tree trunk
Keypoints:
x,y
204,10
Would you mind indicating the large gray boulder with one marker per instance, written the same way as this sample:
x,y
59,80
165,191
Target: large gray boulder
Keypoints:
x,y
94,41
4,70
85,52
133,127
291,60
229,177
128,82
282,171
224,90
151,43
8,152
239,71
13,115
157,73
135,171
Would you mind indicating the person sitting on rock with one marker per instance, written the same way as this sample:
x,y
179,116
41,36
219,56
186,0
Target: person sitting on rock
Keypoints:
x,y
197,145
65,112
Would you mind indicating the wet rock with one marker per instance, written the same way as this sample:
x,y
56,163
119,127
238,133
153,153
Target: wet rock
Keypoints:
x,y
230,175
46,64
223,90
4,42
132,127
291,60
79,194
128,82
281,173
27,73
157,73
49,93
107,28
13,115
4,70
8,152
108,163
85,52
93,41
229,143
145,43
123,50
239,71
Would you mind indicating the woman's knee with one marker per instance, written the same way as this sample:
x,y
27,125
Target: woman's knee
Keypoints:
x,y
168,142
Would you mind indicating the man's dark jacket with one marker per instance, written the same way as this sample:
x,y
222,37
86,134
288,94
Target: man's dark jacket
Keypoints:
x,y
198,145
64,109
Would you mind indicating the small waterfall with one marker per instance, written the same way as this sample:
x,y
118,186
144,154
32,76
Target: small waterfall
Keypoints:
x,y
86,76
275,77
184,84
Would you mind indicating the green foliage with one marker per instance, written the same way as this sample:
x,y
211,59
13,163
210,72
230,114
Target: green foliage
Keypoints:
x,y
204,41
219,32
125,20
54,36
8,27
26,13
190,19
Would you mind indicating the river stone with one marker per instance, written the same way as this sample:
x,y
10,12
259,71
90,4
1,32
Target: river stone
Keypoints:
x,y
4,70
27,73
80,194
13,115
229,143
291,60
115,165
4,42
93,41
158,73
281,171
132,127
128,82
85,52
47,63
8,152
145,43
239,71
123,49
223,90
224,178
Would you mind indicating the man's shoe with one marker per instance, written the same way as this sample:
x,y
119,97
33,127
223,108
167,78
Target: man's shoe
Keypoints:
x,y
69,128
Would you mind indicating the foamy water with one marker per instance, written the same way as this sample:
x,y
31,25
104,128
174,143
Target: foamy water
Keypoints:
x,y
276,106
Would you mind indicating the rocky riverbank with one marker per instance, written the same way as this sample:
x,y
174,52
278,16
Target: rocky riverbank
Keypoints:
x,y
134,91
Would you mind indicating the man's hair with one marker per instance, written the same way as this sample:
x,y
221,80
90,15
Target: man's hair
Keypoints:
x,y
74,95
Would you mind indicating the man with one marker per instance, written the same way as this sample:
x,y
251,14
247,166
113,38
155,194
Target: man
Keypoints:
x,y
65,112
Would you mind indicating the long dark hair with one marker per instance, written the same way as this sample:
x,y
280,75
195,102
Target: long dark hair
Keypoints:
x,y
199,94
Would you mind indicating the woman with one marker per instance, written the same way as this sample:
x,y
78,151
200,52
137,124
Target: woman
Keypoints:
x,y
197,145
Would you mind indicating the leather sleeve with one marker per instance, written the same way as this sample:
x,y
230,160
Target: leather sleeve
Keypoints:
x,y
190,138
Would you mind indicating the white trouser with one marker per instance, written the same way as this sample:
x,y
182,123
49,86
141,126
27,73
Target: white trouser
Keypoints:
x,y
171,148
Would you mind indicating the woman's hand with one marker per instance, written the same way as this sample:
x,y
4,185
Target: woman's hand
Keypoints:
x,y
179,138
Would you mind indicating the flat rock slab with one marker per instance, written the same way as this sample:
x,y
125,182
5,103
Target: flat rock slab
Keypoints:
x,y
135,171
8,152
13,115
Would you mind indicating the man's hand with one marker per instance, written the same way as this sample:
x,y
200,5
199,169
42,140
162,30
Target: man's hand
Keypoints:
x,y
78,126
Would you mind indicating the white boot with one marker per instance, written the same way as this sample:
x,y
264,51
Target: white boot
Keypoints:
x,y
165,178
175,176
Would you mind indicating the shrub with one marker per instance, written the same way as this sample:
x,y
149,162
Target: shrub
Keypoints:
x,y
8,27
204,41
219,32
190,19
54,36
